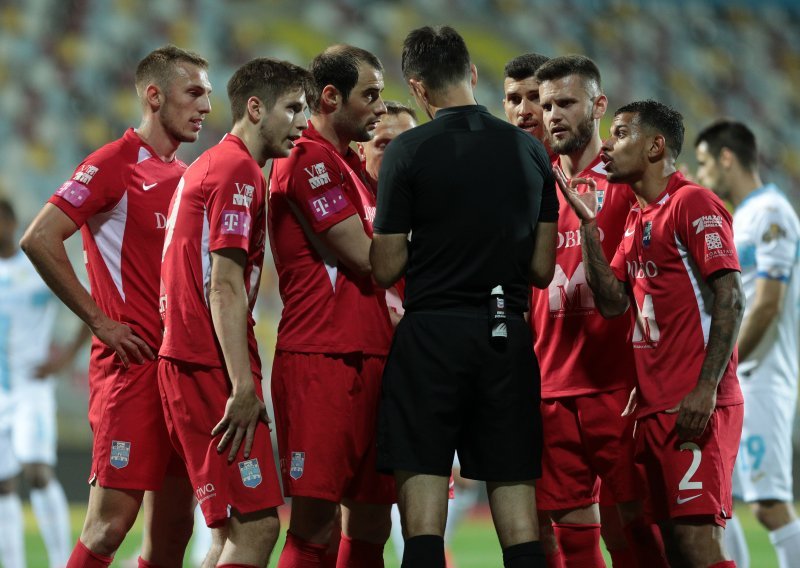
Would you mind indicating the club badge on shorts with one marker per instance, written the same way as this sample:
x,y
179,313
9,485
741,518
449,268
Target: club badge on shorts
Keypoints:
x,y
120,454
296,467
251,473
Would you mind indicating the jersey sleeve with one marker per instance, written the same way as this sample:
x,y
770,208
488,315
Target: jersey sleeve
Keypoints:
x,y
777,242
230,200
96,185
703,224
315,188
393,214
548,211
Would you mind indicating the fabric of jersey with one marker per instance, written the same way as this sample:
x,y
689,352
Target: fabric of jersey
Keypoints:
x,y
766,232
119,196
472,230
579,351
668,252
218,205
310,191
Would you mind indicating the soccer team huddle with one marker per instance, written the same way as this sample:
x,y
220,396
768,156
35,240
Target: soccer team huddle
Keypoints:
x,y
558,306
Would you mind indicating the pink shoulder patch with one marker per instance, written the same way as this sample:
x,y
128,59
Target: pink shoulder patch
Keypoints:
x,y
75,193
235,223
332,201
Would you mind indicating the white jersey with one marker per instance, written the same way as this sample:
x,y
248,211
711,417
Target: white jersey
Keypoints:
x,y
767,235
27,314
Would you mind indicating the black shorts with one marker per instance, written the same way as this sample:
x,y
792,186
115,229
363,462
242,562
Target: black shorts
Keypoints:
x,y
446,388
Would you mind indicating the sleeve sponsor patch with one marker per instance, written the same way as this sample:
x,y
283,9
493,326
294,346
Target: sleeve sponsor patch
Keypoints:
x,y
706,222
317,175
774,233
85,173
235,223
713,241
74,193
332,201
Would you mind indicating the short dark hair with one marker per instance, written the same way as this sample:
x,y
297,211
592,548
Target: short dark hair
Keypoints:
x,y
658,116
7,209
436,56
338,66
158,66
524,66
734,136
566,65
394,107
265,78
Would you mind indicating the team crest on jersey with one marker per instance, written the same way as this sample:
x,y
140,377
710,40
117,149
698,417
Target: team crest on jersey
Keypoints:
x,y
250,472
297,465
648,228
120,454
774,233
317,175
601,197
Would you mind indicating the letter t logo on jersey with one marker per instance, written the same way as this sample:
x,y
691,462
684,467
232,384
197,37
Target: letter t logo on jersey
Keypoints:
x,y
235,223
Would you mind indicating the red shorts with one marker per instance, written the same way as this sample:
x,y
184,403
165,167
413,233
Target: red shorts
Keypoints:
x,y
194,399
326,410
690,479
131,448
586,440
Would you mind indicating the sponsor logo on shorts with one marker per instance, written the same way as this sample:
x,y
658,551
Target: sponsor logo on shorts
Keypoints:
x,y
251,473
205,492
297,465
687,499
75,193
120,454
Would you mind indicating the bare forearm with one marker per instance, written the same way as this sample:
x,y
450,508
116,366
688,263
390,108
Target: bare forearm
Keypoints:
x,y
726,316
48,255
609,293
753,329
228,305
388,256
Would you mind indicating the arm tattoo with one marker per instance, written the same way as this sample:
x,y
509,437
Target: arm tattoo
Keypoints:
x,y
726,316
610,295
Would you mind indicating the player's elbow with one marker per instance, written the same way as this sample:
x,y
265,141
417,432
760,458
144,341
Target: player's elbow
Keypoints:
x,y
33,242
541,278
612,309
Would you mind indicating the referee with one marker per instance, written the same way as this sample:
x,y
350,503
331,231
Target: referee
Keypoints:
x,y
477,198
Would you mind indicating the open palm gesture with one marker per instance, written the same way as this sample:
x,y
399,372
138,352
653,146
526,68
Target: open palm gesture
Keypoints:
x,y
584,203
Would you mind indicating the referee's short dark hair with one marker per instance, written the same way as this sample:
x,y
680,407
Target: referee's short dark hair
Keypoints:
x,y
734,136
664,119
524,66
338,66
438,57
566,65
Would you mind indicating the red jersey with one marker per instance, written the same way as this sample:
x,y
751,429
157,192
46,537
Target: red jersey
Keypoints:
x,y
326,308
119,196
669,250
579,351
219,204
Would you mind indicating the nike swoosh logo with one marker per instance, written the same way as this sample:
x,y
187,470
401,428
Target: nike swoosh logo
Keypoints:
x,y
146,187
682,501
629,232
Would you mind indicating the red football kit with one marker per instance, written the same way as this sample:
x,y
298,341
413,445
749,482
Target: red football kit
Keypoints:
x,y
586,366
119,196
668,252
334,332
219,205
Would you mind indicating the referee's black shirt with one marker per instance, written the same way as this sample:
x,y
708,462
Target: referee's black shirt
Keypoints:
x,y
470,189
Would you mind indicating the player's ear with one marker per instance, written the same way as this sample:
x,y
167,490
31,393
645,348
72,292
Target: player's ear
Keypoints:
x,y
255,109
330,97
657,147
600,106
473,75
726,158
361,153
153,96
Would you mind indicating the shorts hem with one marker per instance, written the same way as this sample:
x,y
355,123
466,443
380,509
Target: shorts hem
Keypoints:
x,y
415,468
505,477
126,485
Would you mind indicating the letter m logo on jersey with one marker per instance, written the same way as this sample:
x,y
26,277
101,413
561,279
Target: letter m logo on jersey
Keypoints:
x,y
570,294
120,454
250,472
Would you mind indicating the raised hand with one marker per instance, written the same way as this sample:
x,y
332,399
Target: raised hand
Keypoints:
x,y
584,203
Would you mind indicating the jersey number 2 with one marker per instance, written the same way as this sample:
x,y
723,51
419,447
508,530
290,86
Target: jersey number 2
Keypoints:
x,y
687,483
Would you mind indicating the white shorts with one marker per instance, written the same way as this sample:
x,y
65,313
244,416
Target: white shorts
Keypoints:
x,y
29,432
764,465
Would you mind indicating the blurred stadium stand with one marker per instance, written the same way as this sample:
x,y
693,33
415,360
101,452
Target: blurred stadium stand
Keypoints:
x,y
66,71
